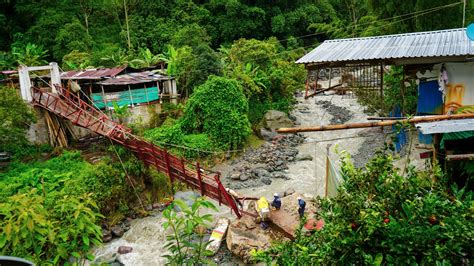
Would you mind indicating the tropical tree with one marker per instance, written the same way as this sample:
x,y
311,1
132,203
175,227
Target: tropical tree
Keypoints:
x,y
6,61
119,58
15,117
72,37
31,55
170,58
146,59
77,60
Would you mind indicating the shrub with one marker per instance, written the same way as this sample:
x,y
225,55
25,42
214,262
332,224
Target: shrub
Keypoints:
x,y
219,109
15,116
167,134
48,210
48,235
186,243
382,217
198,145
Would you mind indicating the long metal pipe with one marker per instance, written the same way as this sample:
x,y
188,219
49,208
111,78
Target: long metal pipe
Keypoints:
x,y
375,124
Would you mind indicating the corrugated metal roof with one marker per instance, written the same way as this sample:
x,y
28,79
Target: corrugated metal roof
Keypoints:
x,y
453,42
135,78
446,126
8,72
93,73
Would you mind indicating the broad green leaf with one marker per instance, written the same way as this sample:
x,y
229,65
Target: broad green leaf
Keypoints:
x,y
85,239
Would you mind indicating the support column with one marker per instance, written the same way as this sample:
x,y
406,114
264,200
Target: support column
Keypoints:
x,y
330,77
381,90
25,83
173,91
146,94
55,76
130,92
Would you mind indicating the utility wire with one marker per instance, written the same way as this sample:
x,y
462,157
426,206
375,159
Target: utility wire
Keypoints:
x,y
416,13
412,15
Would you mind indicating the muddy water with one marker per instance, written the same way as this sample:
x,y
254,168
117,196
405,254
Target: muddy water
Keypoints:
x,y
147,236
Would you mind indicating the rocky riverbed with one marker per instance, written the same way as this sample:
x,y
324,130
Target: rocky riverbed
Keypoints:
x,y
263,165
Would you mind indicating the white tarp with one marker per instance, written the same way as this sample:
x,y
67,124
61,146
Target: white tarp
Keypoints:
x,y
334,179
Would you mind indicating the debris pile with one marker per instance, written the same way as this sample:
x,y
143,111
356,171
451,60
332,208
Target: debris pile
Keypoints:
x,y
340,115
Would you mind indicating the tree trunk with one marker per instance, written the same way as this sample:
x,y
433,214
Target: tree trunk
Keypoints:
x,y
126,22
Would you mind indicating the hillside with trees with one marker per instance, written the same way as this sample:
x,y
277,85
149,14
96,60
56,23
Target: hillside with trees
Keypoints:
x,y
233,60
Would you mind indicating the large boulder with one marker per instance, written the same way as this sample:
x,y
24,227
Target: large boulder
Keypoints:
x,y
244,235
274,119
287,218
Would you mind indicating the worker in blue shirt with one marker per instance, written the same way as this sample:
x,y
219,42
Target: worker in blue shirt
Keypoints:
x,y
276,201
301,206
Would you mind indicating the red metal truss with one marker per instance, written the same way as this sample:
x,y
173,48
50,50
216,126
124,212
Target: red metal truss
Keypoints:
x,y
80,113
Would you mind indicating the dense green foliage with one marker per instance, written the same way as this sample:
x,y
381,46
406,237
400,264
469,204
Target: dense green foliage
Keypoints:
x,y
219,109
382,216
48,232
101,28
15,117
215,119
186,244
51,210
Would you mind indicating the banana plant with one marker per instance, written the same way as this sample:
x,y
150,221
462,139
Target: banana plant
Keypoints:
x,y
121,113
146,59
31,55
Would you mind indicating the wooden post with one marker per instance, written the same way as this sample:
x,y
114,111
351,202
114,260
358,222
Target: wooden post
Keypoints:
x,y
307,87
382,104
158,91
381,90
327,170
420,119
146,93
103,97
435,148
403,89
130,92
330,76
